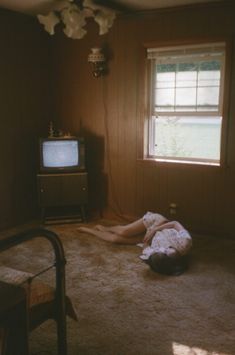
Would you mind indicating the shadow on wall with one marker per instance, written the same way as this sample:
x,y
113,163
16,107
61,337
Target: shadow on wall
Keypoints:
x,y
97,179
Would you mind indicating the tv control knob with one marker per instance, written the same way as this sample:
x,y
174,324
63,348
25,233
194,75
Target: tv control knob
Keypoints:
x,y
84,189
42,190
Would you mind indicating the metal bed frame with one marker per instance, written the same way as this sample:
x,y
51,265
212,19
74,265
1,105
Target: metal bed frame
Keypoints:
x,y
59,264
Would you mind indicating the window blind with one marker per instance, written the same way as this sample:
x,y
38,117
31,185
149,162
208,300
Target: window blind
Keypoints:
x,y
184,54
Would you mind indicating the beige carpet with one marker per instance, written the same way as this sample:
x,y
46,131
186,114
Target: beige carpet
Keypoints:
x,y
126,309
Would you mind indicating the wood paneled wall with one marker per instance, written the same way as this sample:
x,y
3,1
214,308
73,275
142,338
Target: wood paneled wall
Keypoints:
x,y
108,112
24,113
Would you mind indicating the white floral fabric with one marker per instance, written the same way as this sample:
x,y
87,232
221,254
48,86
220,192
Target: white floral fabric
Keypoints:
x,y
181,241
150,219
168,238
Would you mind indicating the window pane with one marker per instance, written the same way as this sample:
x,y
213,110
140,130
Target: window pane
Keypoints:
x,y
208,98
165,80
189,138
186,79
209,78
191,87
186,99
165,98
210,65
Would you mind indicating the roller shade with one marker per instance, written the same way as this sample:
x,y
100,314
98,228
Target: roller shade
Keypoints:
x,y
185,54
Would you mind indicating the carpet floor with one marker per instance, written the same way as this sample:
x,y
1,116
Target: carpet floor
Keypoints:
x,y
124,308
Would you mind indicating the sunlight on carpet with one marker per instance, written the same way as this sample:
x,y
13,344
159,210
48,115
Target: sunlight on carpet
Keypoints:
x,y
180,349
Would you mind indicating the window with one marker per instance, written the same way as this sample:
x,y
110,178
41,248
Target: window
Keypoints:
x,y
186,103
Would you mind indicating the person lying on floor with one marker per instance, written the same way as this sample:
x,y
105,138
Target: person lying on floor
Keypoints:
x,y
165,244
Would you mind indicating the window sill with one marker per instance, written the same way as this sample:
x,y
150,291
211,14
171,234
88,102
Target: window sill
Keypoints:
x,y
157,161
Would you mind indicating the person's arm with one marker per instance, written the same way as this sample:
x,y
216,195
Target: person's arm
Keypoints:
x,y
151,231
172,224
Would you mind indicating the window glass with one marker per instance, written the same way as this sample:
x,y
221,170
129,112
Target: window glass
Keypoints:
x,y
187,86
185,120
189,138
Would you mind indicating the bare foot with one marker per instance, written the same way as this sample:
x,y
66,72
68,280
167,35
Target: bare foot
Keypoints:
x,y
85,229
99,227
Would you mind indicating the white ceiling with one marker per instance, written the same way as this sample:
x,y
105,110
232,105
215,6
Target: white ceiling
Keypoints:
x,y
43,6
29,6
155,4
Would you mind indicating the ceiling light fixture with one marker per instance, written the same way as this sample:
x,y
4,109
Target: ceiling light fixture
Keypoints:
x,y
74,16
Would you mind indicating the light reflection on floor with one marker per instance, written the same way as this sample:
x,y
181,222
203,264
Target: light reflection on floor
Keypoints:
x,y
180,349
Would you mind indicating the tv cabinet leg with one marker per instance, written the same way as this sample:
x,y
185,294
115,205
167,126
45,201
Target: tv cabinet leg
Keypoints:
x,y
83,213
43,214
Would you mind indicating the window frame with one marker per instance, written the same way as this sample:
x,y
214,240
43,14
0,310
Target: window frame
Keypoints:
x,y
224,99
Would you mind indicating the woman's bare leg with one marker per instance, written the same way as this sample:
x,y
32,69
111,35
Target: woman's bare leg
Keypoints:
x,y
112,237
129,230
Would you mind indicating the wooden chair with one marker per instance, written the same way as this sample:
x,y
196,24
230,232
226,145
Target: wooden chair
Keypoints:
x,y
42,301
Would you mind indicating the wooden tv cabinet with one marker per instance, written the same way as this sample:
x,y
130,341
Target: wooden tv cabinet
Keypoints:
x,y
63,192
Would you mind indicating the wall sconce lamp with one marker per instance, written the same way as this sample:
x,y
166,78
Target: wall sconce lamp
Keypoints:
x,y
97,60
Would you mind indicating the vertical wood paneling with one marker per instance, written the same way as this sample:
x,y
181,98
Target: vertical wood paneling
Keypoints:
x,y
25,111
204,195
127,119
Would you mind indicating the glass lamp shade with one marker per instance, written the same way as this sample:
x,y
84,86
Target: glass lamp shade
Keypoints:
x,y
96,56
97,60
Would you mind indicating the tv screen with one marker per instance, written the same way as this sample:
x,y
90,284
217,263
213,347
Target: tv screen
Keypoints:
x,y
62,154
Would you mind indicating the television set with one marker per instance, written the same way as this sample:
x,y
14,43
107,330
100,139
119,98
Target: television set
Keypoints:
x,y
62,154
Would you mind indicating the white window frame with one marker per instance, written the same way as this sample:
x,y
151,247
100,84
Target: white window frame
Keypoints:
x,y
174,55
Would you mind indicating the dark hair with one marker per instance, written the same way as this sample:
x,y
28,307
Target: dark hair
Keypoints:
x,y
168,264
